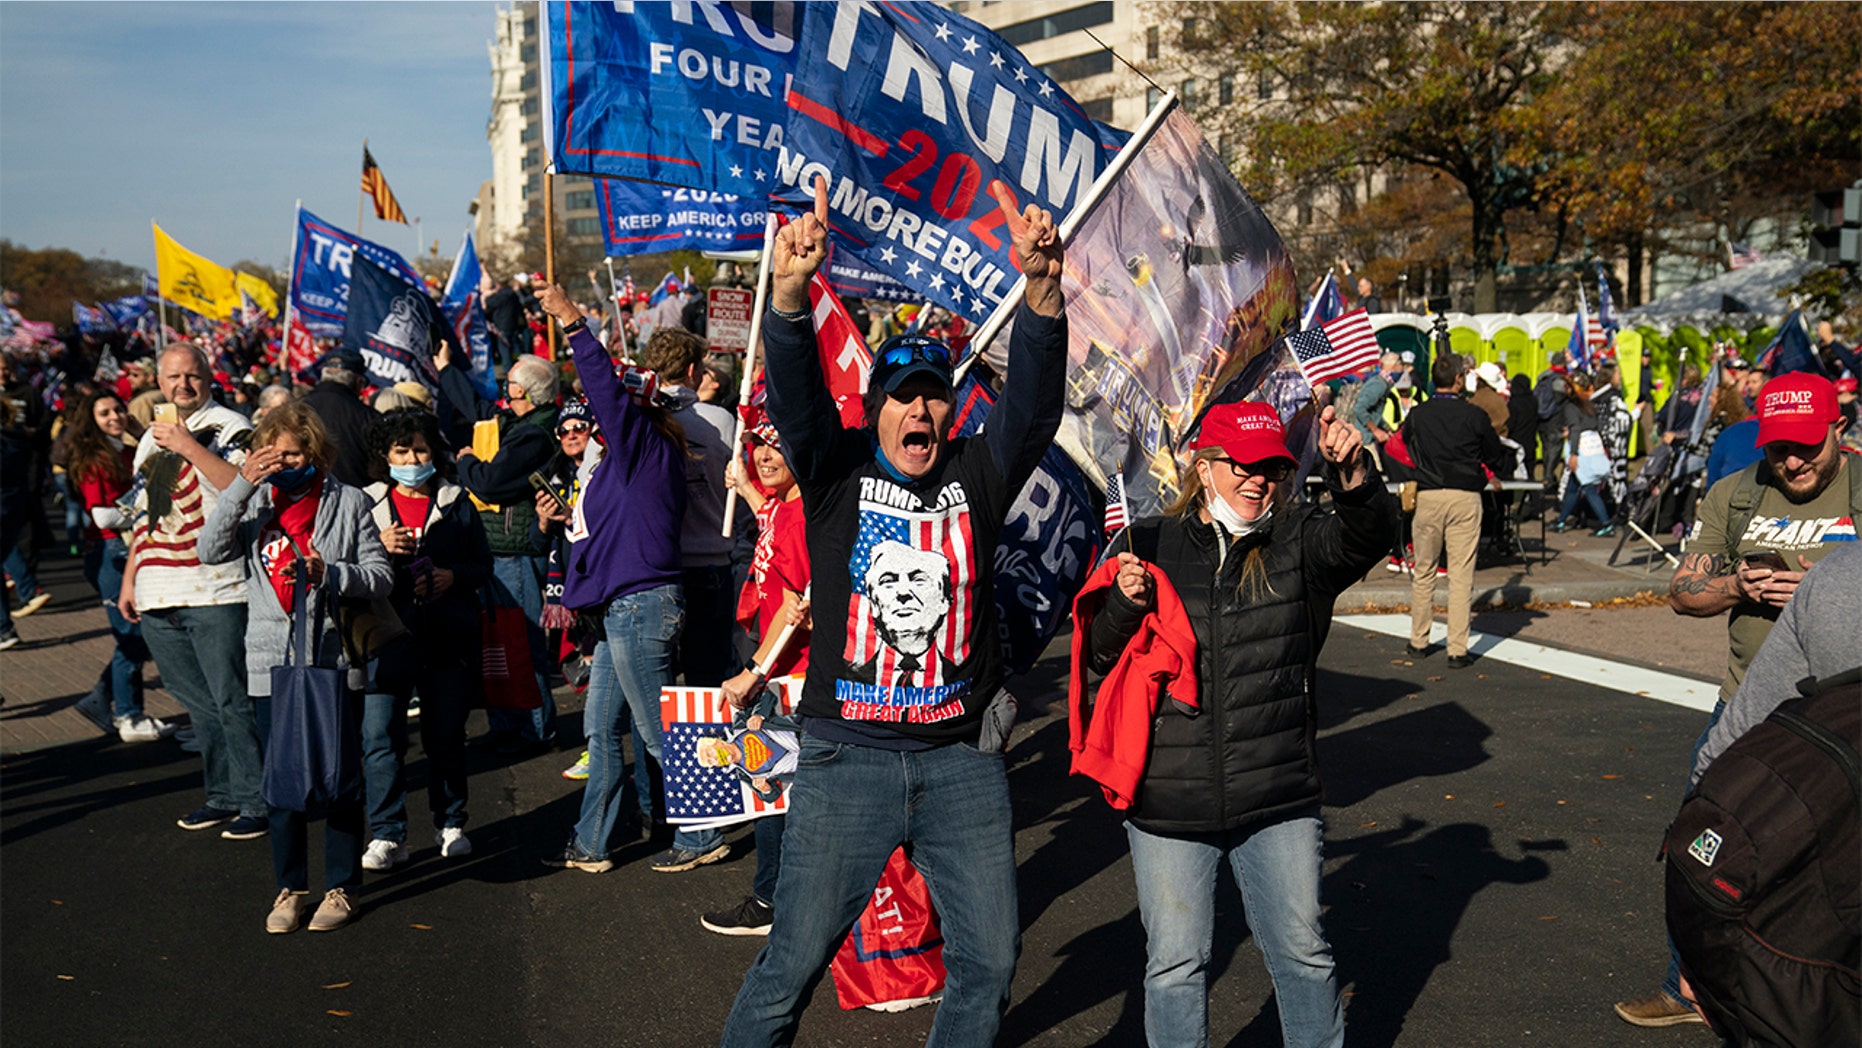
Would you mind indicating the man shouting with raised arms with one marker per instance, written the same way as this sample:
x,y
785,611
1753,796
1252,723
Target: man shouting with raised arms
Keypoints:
x,y
893,716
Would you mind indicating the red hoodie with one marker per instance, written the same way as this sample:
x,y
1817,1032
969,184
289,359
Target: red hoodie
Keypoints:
x,y
1113,748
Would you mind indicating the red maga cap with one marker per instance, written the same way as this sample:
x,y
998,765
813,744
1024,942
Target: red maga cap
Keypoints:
x,y
1246,432
1798,408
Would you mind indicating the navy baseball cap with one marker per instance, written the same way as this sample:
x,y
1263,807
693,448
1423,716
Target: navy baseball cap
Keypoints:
x,y
904,356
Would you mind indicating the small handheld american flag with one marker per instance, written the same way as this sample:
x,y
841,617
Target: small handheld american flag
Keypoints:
x,y
1341,346
1118,512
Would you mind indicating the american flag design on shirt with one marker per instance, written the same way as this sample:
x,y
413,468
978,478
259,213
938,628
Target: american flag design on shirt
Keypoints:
x,y
698,797
912,607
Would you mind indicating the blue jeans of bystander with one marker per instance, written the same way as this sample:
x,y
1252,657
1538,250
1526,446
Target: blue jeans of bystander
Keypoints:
x,y
201,653
122,676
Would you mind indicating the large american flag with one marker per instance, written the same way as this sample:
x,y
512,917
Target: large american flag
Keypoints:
x,y
696,796
1342,346
945,532
1118,514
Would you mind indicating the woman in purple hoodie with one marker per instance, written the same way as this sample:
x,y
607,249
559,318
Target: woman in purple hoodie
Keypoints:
x,y
624,566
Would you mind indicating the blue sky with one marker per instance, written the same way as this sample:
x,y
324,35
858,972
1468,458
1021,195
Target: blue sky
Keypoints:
x,y
212,119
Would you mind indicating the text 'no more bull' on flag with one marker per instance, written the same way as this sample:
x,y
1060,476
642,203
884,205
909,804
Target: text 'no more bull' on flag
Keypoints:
x,y
910,111
1344,345
679,94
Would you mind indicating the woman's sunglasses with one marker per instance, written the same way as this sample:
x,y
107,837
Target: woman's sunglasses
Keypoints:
x,y
571,427
1273,471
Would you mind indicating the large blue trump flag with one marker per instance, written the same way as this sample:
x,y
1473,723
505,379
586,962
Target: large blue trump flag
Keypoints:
x,y
910,111
686,94
391,323
465,313
320,272
638,218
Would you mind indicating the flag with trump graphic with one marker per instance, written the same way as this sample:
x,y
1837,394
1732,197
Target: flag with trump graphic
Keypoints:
x,y
718,772
910,612
911,111
683,94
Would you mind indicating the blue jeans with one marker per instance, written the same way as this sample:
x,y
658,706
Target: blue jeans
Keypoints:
x,y
852,805
1278,869
15,518
517,582
201,653
768,858
75,517
1593,497
122,677
343,824
633,661
444,693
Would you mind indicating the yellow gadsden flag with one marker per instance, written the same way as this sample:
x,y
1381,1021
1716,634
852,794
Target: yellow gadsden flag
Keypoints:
x,y
261,293
192,282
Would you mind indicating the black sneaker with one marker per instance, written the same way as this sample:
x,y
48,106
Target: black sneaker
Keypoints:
x,y
1460,662
247,828
749,918
679,860
205,817
1415,652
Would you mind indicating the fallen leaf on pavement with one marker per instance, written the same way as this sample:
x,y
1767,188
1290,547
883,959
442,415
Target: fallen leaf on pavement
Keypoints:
x,y
68,978
1561,802
338,1011
58,902
338,986
1612,776
1432,678
1499,804
1549,917
422,927
1365,825
1448,796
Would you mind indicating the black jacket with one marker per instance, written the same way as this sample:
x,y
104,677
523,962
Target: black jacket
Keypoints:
x,y
346,419
1451,439
526,444
1246,756
446,629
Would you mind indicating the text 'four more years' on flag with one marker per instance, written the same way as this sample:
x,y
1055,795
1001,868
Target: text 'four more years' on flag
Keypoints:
x,y
1177,288
910,111
700,797
465,315
320,272
1344,345
1048,542
638,218
387,208
393,325
681,94
192,281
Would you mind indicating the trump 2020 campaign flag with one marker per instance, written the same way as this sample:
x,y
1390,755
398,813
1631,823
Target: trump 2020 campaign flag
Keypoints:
x,y
638,219
1048,544
320,272
698,797
910,111
1326,303
1578,347
391,322
1789,351
1178,289
91,320
465,314
125,311
684,94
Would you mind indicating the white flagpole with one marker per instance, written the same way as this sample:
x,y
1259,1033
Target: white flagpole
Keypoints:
x,y
614,308
1312,308
756,338
1081,209
284,343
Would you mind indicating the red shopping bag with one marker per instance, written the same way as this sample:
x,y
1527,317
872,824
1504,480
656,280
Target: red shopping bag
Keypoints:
x,y
895,951
509,679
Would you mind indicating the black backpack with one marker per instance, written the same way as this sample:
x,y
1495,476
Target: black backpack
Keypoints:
x,y
1763,866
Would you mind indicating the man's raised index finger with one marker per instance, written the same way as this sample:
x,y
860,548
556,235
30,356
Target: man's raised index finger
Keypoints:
x,y
821,201
1005,199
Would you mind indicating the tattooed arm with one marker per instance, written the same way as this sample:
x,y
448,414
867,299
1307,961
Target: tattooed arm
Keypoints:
x,y
1703,588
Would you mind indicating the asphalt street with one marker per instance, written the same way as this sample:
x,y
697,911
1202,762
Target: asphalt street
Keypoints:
x,y
1490,880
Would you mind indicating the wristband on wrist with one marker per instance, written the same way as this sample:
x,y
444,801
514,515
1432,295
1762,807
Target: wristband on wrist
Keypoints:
x,y
784,314
574,325
750,666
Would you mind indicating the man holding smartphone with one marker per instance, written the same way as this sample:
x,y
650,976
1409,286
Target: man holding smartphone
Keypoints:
x,y
1756,533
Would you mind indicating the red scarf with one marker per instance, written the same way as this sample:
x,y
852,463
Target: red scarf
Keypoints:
x,y
295,518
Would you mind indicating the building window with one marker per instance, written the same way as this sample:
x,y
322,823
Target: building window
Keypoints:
x,y
530,28
1264,88
534,185
531,107
1083,17
1152,96
1187,93
1092,64
584,227
528,134
527,53
1153,41
533,157
1225,91
529,82
582,201
1099,109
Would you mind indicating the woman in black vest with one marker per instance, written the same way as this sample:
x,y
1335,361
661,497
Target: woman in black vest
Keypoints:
x,y
1235,777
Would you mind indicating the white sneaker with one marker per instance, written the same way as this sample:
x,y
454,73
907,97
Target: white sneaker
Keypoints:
x,y
141,729
384,855
453,842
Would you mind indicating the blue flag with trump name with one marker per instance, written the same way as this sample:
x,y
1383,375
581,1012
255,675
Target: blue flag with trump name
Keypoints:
x,y
126,311
392,324
321,272
638,218
465,312
91,320
910,111
685,94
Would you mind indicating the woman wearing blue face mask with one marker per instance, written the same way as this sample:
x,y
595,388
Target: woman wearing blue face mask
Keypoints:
x,y
432,532
297,526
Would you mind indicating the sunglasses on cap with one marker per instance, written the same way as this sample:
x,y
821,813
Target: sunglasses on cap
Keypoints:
x,y
1273,471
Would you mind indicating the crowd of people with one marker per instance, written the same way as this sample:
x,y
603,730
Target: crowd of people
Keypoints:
x,y
245,535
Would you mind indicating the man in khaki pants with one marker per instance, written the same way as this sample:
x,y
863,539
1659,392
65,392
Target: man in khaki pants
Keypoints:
x,y
1451,440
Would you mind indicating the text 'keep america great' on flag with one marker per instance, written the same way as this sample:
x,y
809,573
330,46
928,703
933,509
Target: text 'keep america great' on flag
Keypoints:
x,y
321,268
909,111
638,218
1341,346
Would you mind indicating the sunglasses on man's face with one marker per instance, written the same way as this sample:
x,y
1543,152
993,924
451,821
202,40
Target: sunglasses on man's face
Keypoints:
x,y
1273,470
923,352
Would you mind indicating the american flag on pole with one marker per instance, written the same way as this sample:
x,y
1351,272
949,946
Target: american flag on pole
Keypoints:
x,y
1118,514
698,797
1344,345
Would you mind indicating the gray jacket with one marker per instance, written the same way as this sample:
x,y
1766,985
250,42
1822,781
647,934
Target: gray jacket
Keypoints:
x,y
355,565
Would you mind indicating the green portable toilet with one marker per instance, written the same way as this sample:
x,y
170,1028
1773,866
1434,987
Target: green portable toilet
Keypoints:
x,y
1465,338
1507,342
1406,333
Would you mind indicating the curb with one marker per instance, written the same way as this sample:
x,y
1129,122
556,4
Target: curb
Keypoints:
x,y
1396,598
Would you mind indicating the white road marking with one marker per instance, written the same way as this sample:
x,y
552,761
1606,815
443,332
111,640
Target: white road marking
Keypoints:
x,y
1587,669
